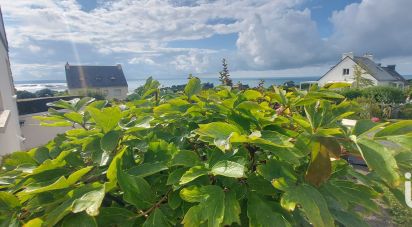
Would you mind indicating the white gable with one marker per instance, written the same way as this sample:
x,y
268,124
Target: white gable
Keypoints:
x,y
342,72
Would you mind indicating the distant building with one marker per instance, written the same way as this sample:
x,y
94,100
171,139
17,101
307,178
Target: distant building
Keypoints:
x,y
379,75
9,123
108,81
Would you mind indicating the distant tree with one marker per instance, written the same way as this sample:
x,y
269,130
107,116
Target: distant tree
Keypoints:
x,y
224,75
260,86
359,80
62,93
289,84
190,76
45,93
207,85
25,95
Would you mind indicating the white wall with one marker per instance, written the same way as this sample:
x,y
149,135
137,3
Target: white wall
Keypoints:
x,y
109,92
36,135
336,74
10,138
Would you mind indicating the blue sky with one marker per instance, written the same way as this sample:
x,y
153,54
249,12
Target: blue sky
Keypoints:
x,y
172,38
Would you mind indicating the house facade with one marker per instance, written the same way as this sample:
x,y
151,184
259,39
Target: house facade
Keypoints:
x,y
108,81
344,71
10,135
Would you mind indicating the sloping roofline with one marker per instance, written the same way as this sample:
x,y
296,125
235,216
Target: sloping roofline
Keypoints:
x,y
372,74
89,76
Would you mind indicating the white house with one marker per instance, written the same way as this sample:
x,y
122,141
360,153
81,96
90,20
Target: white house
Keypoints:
x,y
380,75
9,122
105,80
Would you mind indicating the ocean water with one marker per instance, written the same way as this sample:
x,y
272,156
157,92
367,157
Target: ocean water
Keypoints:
x,y
60,85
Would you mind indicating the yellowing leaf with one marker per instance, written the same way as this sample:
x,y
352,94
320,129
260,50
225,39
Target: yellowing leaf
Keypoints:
x,y
320,167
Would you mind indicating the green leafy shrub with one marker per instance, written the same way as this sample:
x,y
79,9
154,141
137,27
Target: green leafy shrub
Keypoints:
x,y
213,157
46,92
25,95
384,94
369,108
405,111
351,93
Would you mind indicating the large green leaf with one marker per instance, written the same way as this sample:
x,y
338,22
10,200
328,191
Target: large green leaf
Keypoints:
x,y
89,202
156,219
228,169
185,158
39,188
320,167
193,216
347,191
380,159
193,87
261,214
136,190
193,194
211,207
116,216
77,220
311,202
77,175
108,144
8,201
398,128
147,169
74,117
110,141
349,219
55,215
193,173
232,209
106,118
252,94
218,130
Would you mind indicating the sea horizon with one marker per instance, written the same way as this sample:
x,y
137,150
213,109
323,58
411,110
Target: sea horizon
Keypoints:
x,y
60,85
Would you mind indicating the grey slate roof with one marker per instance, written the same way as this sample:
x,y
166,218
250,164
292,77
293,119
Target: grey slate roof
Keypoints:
x,y
94,76
395,74
378,72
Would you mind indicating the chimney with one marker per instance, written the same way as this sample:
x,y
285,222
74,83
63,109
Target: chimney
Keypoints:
x,y
119,66
369,56
349,54
391,67
67,65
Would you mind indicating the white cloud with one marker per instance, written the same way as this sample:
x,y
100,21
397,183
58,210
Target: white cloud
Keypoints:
x,y
379,26
142,60
25,71
272,35
34,48
192,62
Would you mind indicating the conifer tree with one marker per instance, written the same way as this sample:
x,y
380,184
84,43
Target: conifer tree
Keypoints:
x,y
224,75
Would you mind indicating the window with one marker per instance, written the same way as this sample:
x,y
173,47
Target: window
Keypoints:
x,y
345,71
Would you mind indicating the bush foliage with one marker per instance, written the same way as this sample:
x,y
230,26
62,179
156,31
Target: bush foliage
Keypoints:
x,y
381,94
216,157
